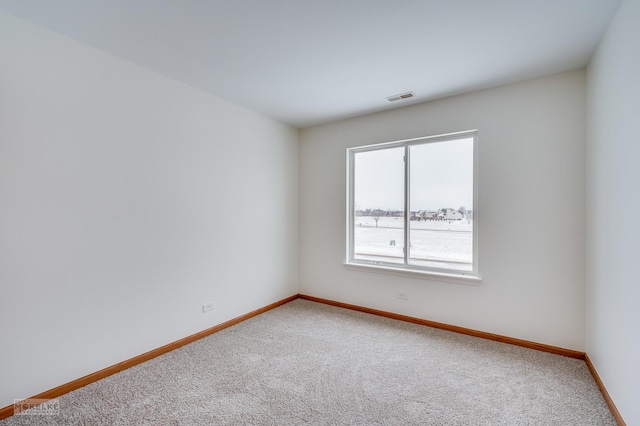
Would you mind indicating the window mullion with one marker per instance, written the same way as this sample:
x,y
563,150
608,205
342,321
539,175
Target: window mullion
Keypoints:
x,y
351,163
407,213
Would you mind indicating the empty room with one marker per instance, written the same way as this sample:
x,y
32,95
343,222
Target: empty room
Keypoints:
x,y
287,212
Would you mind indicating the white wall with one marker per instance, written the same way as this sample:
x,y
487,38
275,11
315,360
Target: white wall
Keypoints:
x,y
613,211
532,197
126,201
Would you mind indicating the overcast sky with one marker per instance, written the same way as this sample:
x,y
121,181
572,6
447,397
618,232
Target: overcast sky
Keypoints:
x,y
441,176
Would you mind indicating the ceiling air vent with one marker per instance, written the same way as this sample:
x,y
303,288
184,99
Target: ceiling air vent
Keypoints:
x,y
400,96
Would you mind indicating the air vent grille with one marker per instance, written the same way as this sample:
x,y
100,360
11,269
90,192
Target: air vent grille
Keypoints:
x,y
400,96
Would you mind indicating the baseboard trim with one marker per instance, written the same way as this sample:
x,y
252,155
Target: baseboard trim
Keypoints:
x,y
605,393
116,368
484,335
468,331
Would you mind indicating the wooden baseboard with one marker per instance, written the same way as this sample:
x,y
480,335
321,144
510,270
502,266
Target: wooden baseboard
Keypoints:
x,y
605,393
484,335
93,377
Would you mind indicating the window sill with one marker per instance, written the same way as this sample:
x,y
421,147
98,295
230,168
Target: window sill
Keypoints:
x,y
412,273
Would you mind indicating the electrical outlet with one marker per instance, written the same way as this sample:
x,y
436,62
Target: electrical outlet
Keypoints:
x,y
207,307
403,295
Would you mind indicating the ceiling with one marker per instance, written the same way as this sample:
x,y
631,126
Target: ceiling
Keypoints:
x,y
308,62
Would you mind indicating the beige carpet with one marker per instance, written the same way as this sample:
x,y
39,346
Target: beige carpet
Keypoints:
x,y
307,363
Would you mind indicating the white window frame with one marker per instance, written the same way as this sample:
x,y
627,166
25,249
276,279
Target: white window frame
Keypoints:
x,y
447,274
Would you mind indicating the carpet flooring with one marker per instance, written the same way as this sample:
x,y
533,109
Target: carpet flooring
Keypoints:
x,y
309,363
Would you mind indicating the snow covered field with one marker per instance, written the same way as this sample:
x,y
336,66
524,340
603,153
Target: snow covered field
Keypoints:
x,y
433,243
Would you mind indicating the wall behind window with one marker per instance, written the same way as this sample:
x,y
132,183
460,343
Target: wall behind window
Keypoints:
x,y
531,211
127,201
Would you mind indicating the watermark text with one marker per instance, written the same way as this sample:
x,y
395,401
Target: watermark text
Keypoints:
x,y
36,407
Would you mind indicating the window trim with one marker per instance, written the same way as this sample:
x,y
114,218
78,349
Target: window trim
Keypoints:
x,y
414,270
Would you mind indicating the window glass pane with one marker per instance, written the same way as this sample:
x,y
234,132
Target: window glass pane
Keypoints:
x,y
441,205
379,206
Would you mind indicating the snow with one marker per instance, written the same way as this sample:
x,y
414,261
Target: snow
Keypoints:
x,y
444,244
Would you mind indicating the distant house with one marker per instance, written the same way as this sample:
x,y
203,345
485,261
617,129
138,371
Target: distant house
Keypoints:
x,y
449,214
429,215
423,215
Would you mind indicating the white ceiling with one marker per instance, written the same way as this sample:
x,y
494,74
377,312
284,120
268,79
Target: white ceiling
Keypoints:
x,y
307,62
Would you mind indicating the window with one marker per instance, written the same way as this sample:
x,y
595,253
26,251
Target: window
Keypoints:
x,y
411,205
